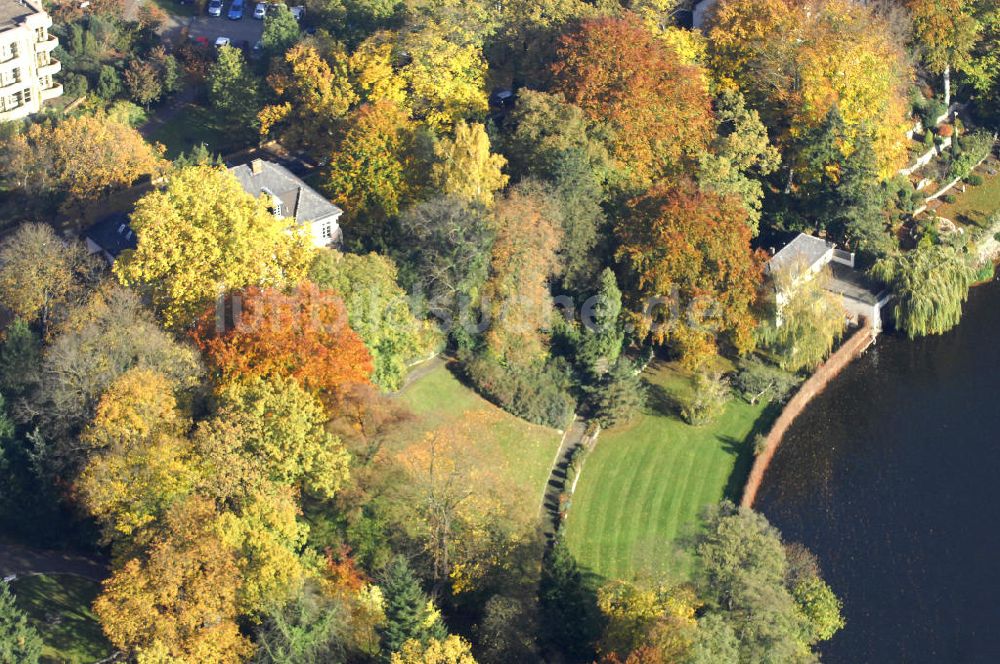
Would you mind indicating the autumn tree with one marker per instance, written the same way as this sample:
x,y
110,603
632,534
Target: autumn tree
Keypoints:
x,y
465,167
239,243
377,309
794,61
282,426
373,71
930,283
96,343
142,82
451,650
445,74
691,275
946,32
41,273
83,157
656,107
178,602
139,460
647,621
314,94
372,172
303,335
523,262
456,506
232,88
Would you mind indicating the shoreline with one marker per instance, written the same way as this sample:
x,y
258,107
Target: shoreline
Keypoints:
x,y
852,347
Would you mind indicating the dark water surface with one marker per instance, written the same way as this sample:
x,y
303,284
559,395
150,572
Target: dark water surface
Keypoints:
x,y
892,477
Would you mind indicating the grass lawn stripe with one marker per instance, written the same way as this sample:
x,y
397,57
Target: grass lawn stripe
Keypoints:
x,y
645,485
631,510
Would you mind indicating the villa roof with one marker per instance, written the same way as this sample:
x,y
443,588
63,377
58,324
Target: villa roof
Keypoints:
x,y
804,250
299,199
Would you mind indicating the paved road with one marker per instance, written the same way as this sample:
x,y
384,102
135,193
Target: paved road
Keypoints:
x,y
22,560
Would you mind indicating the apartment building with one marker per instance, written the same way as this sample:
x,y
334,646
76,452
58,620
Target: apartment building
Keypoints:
x,y
26,63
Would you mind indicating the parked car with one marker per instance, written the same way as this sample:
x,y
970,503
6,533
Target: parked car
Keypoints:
x,y
221,41
298,12
236,10
260,11
215,7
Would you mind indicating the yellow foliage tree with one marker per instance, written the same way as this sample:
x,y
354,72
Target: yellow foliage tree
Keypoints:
x,y
452,650
204,236
372,71
658,619
466,169
141,462
796,60
446,75
178,603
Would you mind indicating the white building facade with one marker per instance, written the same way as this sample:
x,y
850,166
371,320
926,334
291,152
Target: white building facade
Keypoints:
x,y
27,68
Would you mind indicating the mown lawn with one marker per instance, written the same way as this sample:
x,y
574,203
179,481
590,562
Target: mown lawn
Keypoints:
x,y
193,124
58,606
639,499
521,450
977,203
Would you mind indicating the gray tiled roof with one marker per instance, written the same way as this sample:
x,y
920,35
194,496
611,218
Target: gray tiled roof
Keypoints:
x,y
804,250
113,234
299,199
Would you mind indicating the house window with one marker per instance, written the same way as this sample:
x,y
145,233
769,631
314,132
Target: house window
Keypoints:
x,y
41,35
26,96
327,230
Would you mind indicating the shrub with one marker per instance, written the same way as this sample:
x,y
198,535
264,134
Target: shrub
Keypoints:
x,y
706,401
759,444
945,130
976,146
949,198
74,85
932,110
756,380
537,394
974,180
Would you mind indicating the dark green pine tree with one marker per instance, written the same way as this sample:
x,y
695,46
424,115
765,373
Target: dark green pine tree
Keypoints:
x,y
602,336
20,359
619,395
20,643
820,155
569,617
859,201
408,612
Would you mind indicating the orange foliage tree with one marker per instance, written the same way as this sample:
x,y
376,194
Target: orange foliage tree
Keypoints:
x,y
302,334
691,274
658,108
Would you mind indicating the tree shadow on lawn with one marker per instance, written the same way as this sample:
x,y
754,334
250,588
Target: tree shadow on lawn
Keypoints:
x,y
659,401
59,605
743,449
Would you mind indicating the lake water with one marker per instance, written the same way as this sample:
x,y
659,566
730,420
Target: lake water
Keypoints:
x,y
892,477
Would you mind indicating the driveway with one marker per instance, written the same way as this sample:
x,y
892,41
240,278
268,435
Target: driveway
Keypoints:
x,y
247,29
22,560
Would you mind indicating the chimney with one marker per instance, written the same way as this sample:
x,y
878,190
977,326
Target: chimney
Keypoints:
x,y
257,166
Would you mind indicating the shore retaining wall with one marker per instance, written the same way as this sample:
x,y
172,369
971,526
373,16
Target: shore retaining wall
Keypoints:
x,y
850,349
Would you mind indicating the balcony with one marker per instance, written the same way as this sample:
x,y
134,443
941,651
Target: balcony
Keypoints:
x,y
51,69
47,44
52,92
9,87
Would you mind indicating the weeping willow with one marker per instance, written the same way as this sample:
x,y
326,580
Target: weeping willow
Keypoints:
x,y
930,283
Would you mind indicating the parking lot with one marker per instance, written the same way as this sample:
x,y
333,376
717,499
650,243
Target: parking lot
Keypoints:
x,y
247,29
